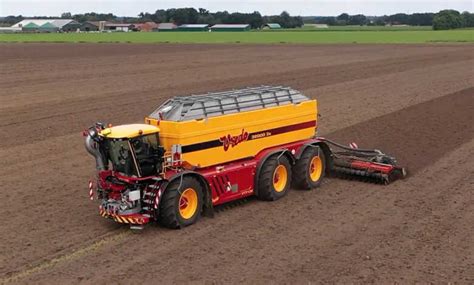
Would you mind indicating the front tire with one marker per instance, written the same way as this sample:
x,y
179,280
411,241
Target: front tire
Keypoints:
x,y
181,207
275,178
308,172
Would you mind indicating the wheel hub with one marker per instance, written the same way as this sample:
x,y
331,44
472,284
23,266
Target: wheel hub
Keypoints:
x,y
188,203
280,178
315,168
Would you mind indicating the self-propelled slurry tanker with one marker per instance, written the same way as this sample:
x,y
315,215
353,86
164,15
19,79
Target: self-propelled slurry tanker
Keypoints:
x,y
199,151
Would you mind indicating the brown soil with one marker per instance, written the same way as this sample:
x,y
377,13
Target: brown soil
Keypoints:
x,y
415,102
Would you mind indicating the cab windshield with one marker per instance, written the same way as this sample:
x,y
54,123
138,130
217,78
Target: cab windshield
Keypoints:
x,y
138,156
147,153
120,156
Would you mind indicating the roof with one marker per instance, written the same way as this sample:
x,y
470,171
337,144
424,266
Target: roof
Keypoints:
x,y
167,26
230,26
10,29
194,26
28,21
31,25
48,25
59,23
63,22
117,25
194,107
146,24
128,131
273,25
94,23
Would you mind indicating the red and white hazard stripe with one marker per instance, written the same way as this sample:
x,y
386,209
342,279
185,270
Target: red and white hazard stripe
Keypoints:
x,y
91,190
353,145
157,198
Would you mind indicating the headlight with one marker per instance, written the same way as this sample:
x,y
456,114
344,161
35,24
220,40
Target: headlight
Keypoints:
x,y
134,195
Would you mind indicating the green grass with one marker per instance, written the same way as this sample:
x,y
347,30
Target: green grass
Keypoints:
x,y
368,28
253,37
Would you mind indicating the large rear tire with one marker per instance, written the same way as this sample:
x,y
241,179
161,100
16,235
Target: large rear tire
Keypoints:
x,y
275,178
308,172
181,207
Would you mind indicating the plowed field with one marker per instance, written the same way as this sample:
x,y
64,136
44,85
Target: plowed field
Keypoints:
x,y
415,102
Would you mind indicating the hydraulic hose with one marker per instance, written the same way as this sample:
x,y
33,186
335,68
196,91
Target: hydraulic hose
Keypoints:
x,y
361,150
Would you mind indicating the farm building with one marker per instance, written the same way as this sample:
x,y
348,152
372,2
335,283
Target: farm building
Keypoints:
x,y
271,26
63,25
30,27
66,25
9,30
164,27
48,28
93,26
117,27
316,26
230,27
89,26
194,27
145,27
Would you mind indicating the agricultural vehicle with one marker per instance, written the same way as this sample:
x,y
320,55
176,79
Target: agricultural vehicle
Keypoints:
x,y
199,151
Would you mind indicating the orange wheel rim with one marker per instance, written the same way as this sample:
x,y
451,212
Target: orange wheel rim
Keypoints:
x,y
188,203
315,168
280,178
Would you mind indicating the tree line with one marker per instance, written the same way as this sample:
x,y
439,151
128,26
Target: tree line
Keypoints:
x,y
204,16
445,19
182,16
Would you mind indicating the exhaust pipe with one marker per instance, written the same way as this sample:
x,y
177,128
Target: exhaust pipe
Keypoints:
x,y
92,147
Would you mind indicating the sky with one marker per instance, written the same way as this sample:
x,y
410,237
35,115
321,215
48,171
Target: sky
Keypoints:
x,y
265,7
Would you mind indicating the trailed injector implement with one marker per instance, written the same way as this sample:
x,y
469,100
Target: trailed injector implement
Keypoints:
x,y
370,165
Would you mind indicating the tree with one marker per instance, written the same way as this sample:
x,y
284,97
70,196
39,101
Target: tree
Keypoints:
x,y
325,20
255,20
203,11
447,19
380,21
206,19
357,20
10,20
285,19
399,19
94,17
421,19
182,15
66,15
468,19
160,16
145,17
343,17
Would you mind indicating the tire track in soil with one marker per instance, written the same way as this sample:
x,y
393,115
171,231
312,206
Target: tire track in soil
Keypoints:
x,y
410,236
305,78
433,122
68,257
51,124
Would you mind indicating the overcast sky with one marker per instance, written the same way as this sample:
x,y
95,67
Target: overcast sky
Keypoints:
x,y
266,7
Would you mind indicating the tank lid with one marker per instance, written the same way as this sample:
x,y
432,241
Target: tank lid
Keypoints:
x,y
192,107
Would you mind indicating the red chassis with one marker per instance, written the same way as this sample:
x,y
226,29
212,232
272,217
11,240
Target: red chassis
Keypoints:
x,y
235,180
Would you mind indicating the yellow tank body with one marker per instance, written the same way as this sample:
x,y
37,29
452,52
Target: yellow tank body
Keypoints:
x,y
223,138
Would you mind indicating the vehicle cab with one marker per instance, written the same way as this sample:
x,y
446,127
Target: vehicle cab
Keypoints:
x,y
132,150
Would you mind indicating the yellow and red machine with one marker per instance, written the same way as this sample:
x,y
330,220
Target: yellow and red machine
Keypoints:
x,y
195,152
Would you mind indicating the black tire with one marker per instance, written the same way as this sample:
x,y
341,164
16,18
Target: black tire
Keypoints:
x,y
302,169
266,185
170,215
